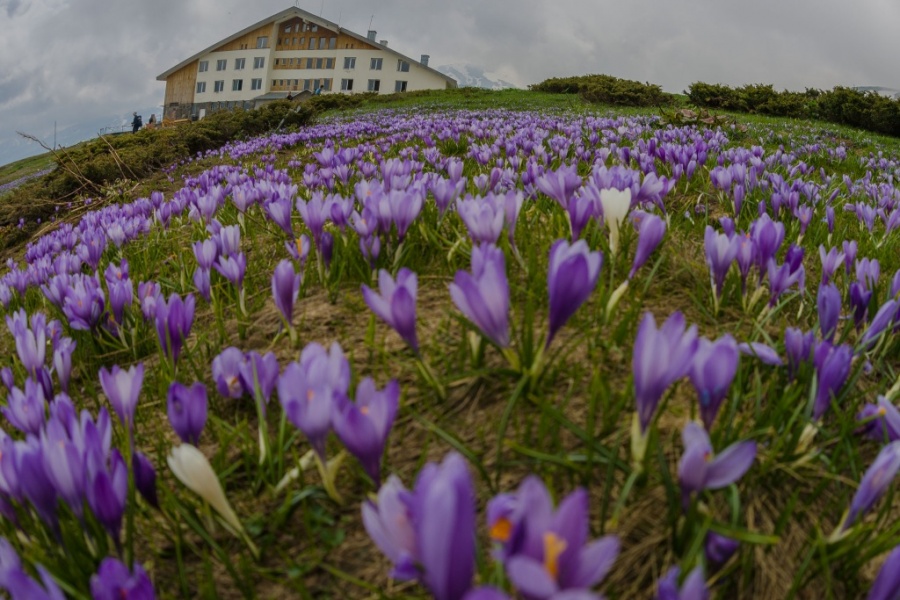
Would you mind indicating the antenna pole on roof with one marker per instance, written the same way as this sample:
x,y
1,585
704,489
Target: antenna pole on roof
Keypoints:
x,y
322,8
340,14
370,21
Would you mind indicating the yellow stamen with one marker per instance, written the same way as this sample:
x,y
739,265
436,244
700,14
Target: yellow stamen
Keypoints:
x,y
553,548
501,530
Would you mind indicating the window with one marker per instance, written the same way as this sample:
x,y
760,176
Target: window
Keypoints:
x,y
204,66
375,84
375,64
237,85
239,64
346,85
323,43
221,64
327,85
219,86
201,87
303,41
279,41
400,86
319,63
315,27
293,41
256,84
312,43
296,27
306,84
350,62
403,66
329,63
262,41
259,62
309,63
332,43
287,29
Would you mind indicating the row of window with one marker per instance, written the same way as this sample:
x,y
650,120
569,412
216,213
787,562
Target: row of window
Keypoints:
x,y
297,28
259,62
236,85
305,84
311,63
314,43
374,85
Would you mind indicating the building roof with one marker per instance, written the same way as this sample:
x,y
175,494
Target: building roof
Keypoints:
x,y
306,16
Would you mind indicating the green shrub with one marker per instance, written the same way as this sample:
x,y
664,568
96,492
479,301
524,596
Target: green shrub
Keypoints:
x,y
606,89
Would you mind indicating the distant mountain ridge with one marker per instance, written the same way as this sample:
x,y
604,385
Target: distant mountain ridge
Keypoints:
x,y
475,76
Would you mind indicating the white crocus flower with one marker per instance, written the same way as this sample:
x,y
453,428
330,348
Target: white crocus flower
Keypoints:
x,y
615,205
192,469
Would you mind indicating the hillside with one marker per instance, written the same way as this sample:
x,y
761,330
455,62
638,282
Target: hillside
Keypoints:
x,y
465,345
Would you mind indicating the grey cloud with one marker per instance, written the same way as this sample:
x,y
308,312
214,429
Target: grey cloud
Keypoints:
x,y
71,60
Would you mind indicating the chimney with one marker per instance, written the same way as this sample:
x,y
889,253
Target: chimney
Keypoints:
x,y
382,42
424,60
371,35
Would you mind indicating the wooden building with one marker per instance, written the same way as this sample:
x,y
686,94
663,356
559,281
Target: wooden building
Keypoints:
x,y
289,53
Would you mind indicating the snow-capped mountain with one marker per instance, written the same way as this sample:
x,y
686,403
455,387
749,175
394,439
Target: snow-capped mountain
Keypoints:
x,y
475,76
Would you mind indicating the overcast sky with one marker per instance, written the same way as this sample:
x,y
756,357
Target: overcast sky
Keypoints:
x,y
76,61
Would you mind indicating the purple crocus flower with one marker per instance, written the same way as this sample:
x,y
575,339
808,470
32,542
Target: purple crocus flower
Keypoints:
x,y
829,304
832,369
64,465
113,581
571,277
307,390
226,371
187,410
31,343
26,410
107,489
875,482
711,373
884,420
395,304
766,354
483,218
720,253
699,470
560,184
483,295
485,593
445,527
783,278
799,348
148,294
20,584
145,478
206,253
122,389
84,303
651,230
718,549
233,268
830,262
859,301
546,552
880,322
767,236
429,533
661,357
390,525
363,426
887,583
285,288
174,320
203,283
259,374
693,587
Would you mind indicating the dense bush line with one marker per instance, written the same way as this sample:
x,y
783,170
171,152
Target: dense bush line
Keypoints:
x,y
845,106
607,89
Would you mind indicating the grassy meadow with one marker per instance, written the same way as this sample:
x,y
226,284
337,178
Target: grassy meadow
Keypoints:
x,y
463,344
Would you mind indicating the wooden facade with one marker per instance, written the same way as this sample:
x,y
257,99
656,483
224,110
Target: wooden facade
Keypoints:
x,y
248,41
180,88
